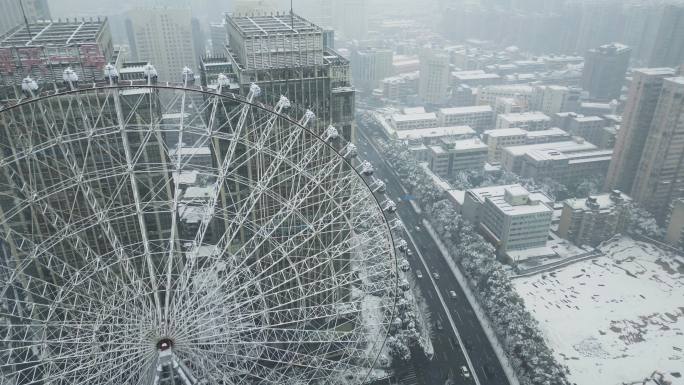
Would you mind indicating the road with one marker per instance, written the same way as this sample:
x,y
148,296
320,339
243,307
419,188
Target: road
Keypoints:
x,y
449,355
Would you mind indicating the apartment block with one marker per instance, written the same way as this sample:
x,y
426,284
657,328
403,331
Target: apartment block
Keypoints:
x,y
453,155
592,220
529,121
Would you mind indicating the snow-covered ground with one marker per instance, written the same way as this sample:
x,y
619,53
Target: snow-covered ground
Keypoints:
x,y
614,318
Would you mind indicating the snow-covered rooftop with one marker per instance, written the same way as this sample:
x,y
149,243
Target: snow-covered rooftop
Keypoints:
x,y
517,117
434,132
567,146
414,117
505,132
465,110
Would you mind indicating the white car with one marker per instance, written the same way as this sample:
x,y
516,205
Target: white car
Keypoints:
x,y
419,274
452,294
465,372
435,275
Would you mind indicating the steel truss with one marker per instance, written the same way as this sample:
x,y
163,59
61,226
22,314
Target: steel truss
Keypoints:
x,y
165,234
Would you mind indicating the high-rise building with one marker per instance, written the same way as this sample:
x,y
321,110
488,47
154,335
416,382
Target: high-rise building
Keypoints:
x,y
434,76
12,15
52,46
370,66
163,36
604,70
284,55
217,34
659,178
668,46
636,124
553,99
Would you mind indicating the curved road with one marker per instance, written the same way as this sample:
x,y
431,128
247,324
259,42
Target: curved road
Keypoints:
x,y
449,356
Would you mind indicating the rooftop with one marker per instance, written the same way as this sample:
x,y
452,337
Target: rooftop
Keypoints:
x,y
465,110
492,191
434,132
663,71
501,132
566,147
533,207
55,33
414,117
266,25
601,202
524,117
553,131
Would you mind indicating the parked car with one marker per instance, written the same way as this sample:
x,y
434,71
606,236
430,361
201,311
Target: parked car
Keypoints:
x,y
435,275
465,372
452,294
419,274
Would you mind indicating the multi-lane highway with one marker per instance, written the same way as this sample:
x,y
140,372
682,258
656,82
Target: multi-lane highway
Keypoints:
x,y
427,259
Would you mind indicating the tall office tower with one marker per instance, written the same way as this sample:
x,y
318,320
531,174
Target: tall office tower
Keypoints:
x,y
350,18
49,48
217,34
198,40
642,22
163,36
668,46
600,23
289,59
659,178
604,70
11,14
434,76
370,66
635,129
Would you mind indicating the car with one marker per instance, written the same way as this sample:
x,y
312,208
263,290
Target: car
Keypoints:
x,y
439,325
465,372
452,294
418,228
419,274
435,275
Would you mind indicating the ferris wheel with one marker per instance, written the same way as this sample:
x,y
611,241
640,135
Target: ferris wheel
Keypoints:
x,y
169,234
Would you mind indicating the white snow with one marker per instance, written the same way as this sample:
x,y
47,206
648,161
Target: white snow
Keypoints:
x,y
614,318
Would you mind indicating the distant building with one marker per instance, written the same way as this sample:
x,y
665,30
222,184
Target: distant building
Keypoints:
x,y
604,70
497,140
350,18
217,34
530,121
675,226
567,168
522,93
512,157
511,217
370,66
163,36
592,220
668,46
480,118
413,120
11,15
637,119
401,86
554,99
434,76
453,155
598,108
504,105
474,78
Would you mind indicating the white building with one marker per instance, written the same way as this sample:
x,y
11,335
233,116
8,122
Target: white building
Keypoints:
x,y
474,78
454,155
553,99
497,140
530,121
511,217
511,157
413,120
478,117
595,219
163,37
522,92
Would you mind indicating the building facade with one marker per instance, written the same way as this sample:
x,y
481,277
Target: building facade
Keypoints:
x,y
604,70
451,156
595,219
480,118
637,118
370,66
164,36
659,178
434,77
529,121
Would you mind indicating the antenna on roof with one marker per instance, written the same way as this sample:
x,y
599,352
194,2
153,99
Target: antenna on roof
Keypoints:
x,y
28,29
291,16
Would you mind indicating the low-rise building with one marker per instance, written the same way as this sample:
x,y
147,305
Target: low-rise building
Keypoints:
x,y
479,118
474,78
592,220
511,157
530,121
453,155
497,140
409,121
567,168
511,217
553,99
400,86
522,92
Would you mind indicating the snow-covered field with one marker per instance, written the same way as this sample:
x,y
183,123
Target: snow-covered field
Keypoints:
x,y
614,318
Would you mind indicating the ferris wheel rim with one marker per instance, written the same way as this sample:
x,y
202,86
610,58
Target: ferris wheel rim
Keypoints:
x,y
287,118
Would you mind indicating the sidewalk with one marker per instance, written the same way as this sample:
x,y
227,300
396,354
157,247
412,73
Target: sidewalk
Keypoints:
x,y
479,312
